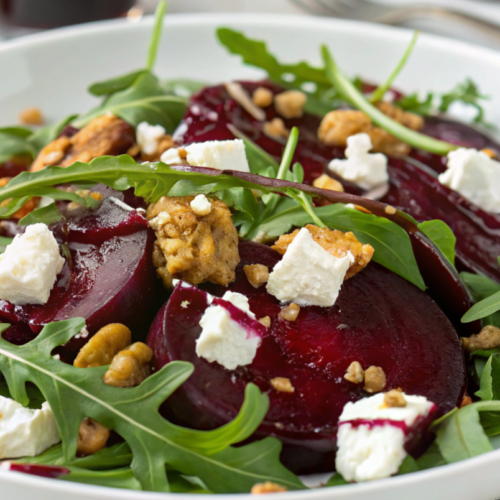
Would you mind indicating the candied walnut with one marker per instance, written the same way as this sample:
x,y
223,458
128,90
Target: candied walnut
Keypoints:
x,y
355,373
130,367
282,384
394,399
290,312
374,379
92,437
190,247
257,274
290,104
31,116
324,181
466,401
410,120
487,338
165,142
276,128
103,346
262,97
266,321
267,487
334,242
106,135
28,207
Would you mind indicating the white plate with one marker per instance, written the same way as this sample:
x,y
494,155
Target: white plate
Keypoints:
x,y
52,70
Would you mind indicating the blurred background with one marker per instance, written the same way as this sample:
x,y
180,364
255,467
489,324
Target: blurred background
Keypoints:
x,y
475,21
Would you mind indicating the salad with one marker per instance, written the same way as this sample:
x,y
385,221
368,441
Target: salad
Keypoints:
x,y
225,288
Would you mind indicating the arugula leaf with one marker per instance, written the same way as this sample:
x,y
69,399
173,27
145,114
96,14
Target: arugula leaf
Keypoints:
x,y
336,480
468,93
408,466
483,309
156,34
414,104
490,380
133,414
115,84
116,478
442,236
46,215
182,87
480,288
431,458
4,241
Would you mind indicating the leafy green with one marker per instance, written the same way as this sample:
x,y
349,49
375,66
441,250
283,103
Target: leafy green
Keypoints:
x,y
115,84
182,87
442,236
156,34
483,309
336,480
133,414
46,215
431,458
481,288
117,478
414,104
408,466
4,241
490,380
353,96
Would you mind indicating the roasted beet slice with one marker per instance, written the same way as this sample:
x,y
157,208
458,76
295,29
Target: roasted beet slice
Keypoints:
x,y
379,319
108,278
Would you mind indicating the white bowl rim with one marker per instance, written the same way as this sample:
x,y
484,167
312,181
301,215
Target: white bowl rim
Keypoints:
x,y
250,19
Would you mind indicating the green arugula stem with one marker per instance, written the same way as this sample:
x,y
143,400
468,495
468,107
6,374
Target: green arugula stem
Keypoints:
x,y
353,96
482,309
156,34
379,93
286,160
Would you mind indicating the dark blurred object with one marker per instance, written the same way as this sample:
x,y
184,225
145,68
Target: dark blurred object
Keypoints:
x,y
56,13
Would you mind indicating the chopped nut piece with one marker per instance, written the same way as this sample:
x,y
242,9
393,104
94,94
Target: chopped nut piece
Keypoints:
x,y
192,248
257,274
28,207
96,196
334,242
267,487
183,154
290,312
106,135
355,373
390,210
103,346
374,379
130,367
276,128
282,384
466,401
31,116
290,104
134,150
92,437
324,181
266,321
262,97
410,120
394,399
489,152
487,338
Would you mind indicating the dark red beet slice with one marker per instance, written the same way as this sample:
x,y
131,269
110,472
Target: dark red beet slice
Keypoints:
x,y
379,319
109,278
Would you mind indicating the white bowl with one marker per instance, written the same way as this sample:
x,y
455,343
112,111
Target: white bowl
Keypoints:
x,y
52,70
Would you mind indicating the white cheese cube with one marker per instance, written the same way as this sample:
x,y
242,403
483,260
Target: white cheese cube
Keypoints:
x,y
29,266
307,274
201,205
221,155
148,135
25,432
475,176
361,167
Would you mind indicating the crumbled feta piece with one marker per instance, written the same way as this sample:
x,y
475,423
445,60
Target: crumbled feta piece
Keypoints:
x,y
475,176
25,432
374,450
365,169
148,135
225,340
221,155
29,266
185,304
307,274
201,205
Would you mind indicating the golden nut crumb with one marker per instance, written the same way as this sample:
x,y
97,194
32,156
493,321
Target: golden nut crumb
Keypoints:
x,y
487,338
183,154
92,437
290,312
266,321
374,379
130,366
262,97
390,210
489,152
31,116
466,401
355,373
257,274
394,399
324,181
103,346
282,384
267,487
191,248
290,104
276,128
96,196
334,242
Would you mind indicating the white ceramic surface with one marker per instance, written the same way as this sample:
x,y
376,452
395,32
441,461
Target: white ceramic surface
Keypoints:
x,y
52,70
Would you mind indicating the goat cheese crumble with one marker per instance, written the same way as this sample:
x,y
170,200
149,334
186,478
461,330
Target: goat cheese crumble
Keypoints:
x,y
221,155
475,176
365,169
201,205
25,432
148,135
375,449
307,274
29,266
